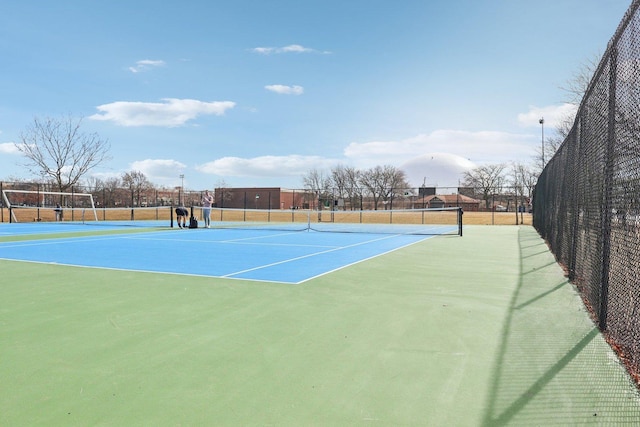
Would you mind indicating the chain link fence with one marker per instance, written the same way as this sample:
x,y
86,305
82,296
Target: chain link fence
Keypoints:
x,y
504,205
587,200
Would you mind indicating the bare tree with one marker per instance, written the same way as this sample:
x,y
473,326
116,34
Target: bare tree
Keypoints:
x,y
529,178
138,184
575,88
552,143
383,182
369,180
345,181
488,179
523,182
221,194
93,184
578,84
111,190
316,180
319,184
58,150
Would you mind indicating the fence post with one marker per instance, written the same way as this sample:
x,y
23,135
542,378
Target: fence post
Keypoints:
x,y
576,136
608,188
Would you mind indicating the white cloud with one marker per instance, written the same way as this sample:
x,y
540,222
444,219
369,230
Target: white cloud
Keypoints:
x,y
266,166
440,157
145,65
159,171
285,90
103,176
292,48
296,48
263,50
479,147
553,115
170,113
164,172
9,148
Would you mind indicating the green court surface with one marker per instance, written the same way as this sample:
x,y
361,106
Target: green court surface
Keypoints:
x,y
481,330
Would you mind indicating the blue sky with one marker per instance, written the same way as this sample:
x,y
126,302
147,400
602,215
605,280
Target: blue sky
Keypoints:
x,y
259,92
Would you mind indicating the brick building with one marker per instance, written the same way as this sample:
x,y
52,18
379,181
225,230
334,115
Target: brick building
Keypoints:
x,y
263,198
448,201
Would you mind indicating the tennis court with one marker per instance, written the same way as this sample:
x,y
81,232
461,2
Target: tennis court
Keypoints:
x,y
265,255
479,330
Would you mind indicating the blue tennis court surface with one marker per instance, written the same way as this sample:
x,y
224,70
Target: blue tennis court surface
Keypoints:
x,y
263,255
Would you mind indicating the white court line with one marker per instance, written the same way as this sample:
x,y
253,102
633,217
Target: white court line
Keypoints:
x,y
56,241
337,248
136,270
242,241
364,259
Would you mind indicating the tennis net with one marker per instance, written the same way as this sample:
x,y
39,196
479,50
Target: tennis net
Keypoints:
x,y
434,221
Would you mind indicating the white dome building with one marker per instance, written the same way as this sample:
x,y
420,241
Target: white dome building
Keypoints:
x,y
436,170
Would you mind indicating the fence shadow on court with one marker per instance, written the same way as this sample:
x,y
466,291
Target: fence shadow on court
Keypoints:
x,y
552,365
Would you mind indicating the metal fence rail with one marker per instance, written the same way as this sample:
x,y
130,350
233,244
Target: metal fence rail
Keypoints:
x,y
587,199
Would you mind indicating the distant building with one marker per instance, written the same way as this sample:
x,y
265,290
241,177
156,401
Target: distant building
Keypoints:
x,y
448,201
279,198
263,198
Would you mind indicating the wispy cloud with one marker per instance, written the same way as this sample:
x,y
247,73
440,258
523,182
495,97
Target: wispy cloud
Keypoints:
x,y
170,113
285,90
441,155
292,48
146,64
9,148
163,172
479,147
266,166
553,115
160,171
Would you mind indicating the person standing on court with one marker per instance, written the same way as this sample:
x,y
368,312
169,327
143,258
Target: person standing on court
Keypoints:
x,y
207,202
58,211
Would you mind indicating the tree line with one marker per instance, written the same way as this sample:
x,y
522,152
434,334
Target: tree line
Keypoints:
x,y
381,183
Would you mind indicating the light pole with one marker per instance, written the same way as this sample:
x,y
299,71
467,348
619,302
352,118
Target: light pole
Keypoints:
x,y
541,121
180,194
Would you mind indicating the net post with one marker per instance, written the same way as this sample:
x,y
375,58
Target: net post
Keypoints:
x,y
460,213
171,216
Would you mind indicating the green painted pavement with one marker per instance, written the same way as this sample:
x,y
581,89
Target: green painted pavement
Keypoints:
x,y
481,330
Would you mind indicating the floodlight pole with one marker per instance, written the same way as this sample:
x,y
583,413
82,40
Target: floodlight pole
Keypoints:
x,y
541,121
180,193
